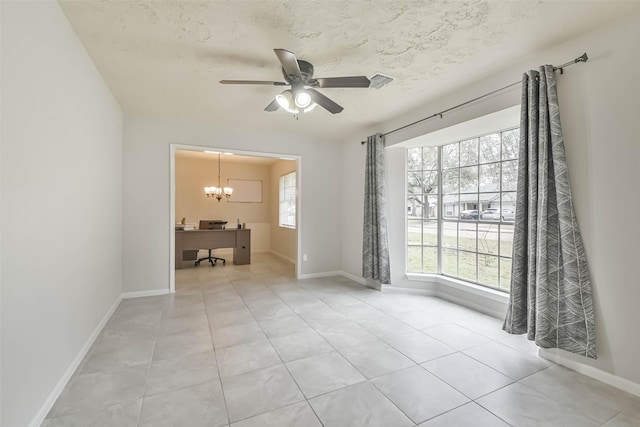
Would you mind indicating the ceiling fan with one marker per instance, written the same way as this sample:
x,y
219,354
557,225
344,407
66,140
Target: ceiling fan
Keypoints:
x,y
303,96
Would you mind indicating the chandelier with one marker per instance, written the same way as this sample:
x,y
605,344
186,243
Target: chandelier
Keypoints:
x,y
218,191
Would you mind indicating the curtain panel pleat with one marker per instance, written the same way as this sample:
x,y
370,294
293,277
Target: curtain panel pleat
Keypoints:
x,y
551,295
375,246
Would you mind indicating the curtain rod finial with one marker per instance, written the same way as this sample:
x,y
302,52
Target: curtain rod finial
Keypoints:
x,y
583,58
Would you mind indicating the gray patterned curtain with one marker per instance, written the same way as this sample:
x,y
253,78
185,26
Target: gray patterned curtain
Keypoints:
x,y
550,284
375,246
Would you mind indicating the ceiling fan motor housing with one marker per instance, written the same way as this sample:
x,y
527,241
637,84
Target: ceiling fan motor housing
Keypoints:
x,y
306,70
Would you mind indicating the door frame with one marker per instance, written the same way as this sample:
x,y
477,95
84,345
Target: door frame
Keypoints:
x,y
172,198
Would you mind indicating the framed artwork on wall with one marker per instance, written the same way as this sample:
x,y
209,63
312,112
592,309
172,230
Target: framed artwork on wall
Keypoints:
x,y
245,191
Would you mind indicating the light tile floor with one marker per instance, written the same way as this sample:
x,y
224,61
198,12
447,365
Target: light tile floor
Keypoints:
x,y
252,346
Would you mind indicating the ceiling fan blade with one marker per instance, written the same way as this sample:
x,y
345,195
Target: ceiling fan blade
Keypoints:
x,y
252,82
273,106
324,102
352,81
289,62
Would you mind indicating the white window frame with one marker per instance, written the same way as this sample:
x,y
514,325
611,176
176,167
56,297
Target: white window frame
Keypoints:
x,y
287,198
441,219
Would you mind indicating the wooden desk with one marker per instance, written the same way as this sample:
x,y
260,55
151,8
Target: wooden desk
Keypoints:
x,y
239,240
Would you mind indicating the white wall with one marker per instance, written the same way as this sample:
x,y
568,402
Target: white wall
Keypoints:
x,y
599,105
353,165
146,192
284,240
61,204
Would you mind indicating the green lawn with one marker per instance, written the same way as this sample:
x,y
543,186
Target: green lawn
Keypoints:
x,y
492,270
488,241
459,258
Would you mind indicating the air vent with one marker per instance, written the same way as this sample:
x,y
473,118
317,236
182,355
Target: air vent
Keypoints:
x,y
379,80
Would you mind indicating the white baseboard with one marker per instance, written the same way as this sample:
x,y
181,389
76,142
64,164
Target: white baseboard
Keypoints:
x,y
389,289
445,296
55,393
360,280
497,313
322,274
139,294
283,256
590,371
355,278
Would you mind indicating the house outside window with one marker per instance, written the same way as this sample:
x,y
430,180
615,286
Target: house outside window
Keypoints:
x,y
461,208
287,212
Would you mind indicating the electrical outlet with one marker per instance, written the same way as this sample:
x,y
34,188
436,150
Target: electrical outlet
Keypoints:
x,y
305,257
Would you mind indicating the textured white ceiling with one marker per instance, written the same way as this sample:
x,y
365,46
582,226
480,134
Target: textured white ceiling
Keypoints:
x,y
165,58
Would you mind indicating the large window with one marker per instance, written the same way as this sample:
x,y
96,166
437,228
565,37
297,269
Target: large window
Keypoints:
x,y
461,208
288,200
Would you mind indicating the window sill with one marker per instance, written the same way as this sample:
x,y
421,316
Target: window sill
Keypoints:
x,y
492,294
290,227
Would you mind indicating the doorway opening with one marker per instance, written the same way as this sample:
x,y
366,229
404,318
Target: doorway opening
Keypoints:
x,y
253,205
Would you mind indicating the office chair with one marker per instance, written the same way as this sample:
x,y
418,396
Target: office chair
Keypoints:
x,y
211,225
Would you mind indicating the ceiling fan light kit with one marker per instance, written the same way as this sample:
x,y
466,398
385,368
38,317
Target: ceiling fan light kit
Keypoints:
x,y
285,99
303,97
301,102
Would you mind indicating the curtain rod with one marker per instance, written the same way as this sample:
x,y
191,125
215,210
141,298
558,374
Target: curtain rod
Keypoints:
x,y
581,58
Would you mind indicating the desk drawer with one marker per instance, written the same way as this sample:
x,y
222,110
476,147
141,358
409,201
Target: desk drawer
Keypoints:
x,y
209,239
190,255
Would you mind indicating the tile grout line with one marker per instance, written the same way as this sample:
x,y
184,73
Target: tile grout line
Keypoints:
x,y
490,411
338,351
215,354
348,361
490,340
315,331
281,360
445,382
334,349
146,382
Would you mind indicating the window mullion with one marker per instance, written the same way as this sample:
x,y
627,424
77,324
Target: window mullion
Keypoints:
x,y
500,219
440,211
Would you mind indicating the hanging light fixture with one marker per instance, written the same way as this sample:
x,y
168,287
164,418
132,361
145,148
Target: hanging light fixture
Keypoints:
x,y
300,102
302,99
218,191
